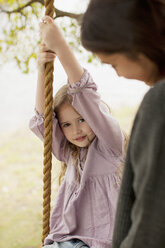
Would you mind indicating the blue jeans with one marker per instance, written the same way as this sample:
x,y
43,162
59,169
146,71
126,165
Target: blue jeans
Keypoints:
x,y
73,243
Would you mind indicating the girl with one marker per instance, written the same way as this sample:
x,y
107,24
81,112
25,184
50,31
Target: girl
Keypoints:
x,y
130,36
90,143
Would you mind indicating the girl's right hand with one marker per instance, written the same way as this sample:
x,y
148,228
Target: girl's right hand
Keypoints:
x,y
43,57
51,35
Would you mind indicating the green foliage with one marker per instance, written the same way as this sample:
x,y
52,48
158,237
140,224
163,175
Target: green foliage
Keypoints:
x,y
8,2
19,33
19,36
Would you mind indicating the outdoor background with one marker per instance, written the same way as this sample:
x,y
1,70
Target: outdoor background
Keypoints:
x,y
21,153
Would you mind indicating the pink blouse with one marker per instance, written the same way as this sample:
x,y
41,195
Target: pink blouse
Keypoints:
x,y
86,209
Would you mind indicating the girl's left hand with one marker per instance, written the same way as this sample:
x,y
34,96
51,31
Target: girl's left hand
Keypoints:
x,y
44,56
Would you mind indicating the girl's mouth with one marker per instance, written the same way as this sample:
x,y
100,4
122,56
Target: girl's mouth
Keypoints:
x,y
82,138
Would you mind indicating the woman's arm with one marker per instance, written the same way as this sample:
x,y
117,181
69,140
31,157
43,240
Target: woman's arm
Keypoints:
x,y
55,41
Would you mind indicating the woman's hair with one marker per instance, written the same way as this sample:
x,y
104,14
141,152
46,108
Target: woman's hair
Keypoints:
x,y
126,26
62,97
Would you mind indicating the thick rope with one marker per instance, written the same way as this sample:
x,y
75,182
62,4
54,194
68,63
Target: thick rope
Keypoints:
x,y
48,112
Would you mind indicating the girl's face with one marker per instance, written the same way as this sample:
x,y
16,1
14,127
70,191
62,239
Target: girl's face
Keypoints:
x,y
74,127
142,69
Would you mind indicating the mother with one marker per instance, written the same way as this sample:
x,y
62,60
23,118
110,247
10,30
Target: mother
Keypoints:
x,y
130,36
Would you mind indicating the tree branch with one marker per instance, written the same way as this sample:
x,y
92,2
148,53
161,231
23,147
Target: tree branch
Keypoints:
x,y
59,13
18,10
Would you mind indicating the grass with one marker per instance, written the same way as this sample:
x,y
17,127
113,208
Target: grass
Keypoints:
x,y
20,188
21,184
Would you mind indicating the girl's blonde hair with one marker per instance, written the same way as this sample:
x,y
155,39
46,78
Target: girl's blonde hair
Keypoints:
x,y
60,98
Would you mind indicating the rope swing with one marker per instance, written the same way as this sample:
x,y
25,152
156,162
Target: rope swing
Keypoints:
x,y
48,112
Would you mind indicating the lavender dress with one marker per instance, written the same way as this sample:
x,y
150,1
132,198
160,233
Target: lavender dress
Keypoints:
x,y
86,209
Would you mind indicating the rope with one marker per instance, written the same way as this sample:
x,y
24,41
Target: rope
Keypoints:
x,y
48,112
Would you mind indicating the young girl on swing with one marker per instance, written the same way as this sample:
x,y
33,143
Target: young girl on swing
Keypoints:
x,y
90,143
130,36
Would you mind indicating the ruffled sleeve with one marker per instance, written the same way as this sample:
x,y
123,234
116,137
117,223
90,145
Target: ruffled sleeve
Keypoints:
x,y
36,124
87,102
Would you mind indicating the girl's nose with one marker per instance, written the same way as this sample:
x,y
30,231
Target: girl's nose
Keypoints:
x,y
76,129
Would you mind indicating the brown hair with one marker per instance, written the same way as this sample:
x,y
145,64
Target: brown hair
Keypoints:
x,y
126,26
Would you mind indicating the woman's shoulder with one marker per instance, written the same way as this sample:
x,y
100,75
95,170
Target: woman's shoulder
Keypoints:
x,y
151,112
158,90
155,97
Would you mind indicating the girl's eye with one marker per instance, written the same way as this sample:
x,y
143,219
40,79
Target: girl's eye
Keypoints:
x,y
81,120
66,125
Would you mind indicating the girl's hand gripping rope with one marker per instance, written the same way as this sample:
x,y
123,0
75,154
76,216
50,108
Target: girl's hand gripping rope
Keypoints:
x,y
51,34
44,56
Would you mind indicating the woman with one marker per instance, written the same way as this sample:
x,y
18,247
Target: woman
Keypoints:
x,y
130,36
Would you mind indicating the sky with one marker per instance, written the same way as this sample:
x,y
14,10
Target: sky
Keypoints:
x,y
71,5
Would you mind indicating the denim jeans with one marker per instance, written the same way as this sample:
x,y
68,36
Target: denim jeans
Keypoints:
x,y
73,243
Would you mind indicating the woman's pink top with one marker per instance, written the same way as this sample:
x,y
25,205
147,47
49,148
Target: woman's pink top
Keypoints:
x,y
86,209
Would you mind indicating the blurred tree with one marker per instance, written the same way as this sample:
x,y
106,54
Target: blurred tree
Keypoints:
x,y
19,33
